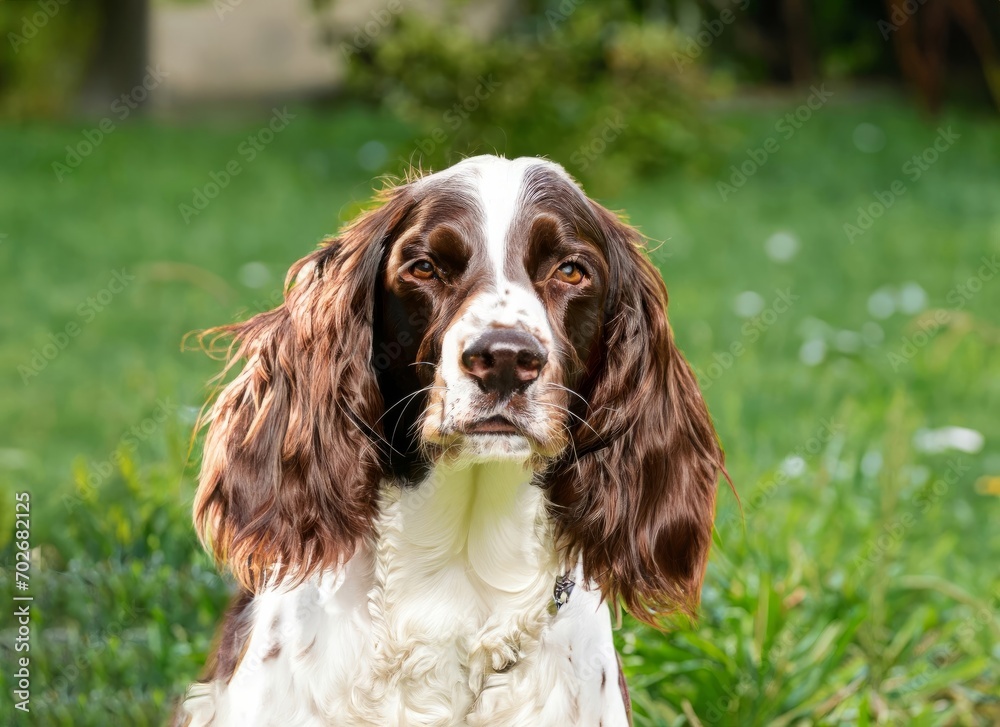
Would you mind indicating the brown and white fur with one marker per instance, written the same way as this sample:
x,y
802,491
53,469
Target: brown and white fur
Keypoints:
x,y
470,392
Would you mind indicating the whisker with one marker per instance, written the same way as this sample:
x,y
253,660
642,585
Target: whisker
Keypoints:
x,y
569,437
569,390
583,421
408,397
367,430
406,403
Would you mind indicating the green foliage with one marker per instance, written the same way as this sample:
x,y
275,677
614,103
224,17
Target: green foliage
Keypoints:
x,y
601,88
800,631
43,54
858,587
125,603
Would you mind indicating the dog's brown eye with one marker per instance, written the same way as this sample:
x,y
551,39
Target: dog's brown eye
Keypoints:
x,y
423,270
570,273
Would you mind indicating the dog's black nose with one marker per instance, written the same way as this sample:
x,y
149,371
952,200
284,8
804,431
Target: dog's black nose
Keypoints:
x,y
504,361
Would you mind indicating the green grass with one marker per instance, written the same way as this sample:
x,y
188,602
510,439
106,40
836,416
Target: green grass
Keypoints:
x,y
860,586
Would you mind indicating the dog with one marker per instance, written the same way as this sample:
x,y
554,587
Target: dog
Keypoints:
x,y
462,439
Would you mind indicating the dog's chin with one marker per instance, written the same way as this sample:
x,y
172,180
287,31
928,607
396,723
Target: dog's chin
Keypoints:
x,y
476,445
461,448
492,447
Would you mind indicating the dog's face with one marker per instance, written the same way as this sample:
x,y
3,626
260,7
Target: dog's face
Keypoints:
x,y
489,311
491,304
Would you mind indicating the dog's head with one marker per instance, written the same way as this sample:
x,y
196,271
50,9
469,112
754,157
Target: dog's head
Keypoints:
x,y
489,311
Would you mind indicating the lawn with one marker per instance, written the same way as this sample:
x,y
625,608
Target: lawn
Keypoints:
x,y
859,585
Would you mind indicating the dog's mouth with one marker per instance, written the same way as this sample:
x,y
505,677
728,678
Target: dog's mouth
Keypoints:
x,y
495,425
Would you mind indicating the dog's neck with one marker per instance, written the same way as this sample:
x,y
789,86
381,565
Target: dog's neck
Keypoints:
x,y
487,515
470,544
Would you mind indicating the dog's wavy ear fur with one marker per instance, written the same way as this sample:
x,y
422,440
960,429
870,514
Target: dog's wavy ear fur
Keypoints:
x,y
634,497
291,465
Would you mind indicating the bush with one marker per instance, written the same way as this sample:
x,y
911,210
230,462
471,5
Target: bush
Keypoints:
x,y
125,602
44,54
607,91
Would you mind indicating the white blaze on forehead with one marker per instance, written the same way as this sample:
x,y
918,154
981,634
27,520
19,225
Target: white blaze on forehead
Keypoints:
x,y
499,187
499,184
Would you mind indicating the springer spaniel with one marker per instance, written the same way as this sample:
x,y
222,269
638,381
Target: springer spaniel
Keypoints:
x,y
465,432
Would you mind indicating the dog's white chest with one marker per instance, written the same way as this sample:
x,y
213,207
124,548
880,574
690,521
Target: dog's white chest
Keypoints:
x,y
445,619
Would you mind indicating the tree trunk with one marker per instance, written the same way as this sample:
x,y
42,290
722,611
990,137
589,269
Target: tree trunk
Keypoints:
x,y
798,29
120,51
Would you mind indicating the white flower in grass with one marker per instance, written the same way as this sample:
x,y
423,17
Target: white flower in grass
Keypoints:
x,y
871,463
912,298
935,441
882,303
372,155
254,275
781,246
792,466
847,341
868,138
748,304
813,352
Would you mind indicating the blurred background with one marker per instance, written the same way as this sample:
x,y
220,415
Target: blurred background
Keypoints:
x,y
820,183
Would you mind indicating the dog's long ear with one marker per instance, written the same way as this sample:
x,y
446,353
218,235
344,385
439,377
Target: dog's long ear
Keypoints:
x,y
635,496
291,466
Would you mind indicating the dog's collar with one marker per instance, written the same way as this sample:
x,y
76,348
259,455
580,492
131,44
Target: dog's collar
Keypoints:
x,y
564,587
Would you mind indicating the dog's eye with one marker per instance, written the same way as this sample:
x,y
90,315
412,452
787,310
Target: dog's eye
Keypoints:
x,y
570,273
423,269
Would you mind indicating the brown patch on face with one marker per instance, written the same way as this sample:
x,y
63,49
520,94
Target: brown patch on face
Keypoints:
x,y
413,313
566,229
555,226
